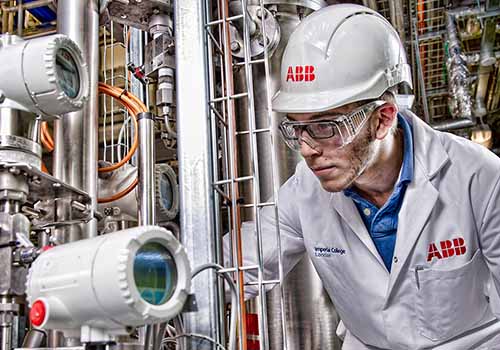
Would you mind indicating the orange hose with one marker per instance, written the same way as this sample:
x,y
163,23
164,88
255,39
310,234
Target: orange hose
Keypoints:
x,y
119,195
134,106
46,138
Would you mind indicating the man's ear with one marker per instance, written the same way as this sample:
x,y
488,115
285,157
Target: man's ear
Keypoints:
x,y
386,114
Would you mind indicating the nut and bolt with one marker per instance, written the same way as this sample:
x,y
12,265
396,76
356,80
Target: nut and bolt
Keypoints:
x,y
235,46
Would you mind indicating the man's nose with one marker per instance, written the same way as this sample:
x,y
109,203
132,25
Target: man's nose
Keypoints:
x,y
308,147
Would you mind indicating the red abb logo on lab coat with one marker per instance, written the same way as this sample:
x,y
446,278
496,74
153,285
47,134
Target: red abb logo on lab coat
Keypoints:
x,y
449,248
300,73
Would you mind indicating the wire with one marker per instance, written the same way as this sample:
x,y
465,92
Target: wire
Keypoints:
x,y
234,300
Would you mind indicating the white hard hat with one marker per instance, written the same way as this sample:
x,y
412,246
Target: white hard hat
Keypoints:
x,y
339,55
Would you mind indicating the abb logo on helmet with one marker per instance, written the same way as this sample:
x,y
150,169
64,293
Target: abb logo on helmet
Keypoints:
x,y
300,73
448,247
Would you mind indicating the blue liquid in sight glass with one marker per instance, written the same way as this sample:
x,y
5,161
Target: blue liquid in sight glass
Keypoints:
x,y
155,273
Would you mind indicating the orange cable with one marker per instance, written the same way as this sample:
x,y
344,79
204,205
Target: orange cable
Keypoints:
x,y
134,106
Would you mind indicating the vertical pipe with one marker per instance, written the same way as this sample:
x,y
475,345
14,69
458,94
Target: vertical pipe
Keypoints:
x,y
6,332
20,18
146,162
75,153
194,154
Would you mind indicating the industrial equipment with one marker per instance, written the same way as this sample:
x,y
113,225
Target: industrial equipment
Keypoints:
x,y
100,287
143,114
46,76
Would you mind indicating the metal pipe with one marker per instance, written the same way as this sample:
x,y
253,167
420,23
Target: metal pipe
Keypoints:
x,y
75,153
6,332
420,71
397,17
487,60
458,123
194,153
20,18
34,339
371,4
146,161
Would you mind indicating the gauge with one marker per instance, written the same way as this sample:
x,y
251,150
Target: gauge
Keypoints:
x,y
68,76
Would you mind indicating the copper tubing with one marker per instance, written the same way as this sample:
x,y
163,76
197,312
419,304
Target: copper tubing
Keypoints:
x,y
134,106
119,195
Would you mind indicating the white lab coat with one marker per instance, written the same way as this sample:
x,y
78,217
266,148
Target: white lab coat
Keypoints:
x,y
447,303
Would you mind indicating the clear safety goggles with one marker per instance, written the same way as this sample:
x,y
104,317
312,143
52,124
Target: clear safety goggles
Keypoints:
x,y
340,129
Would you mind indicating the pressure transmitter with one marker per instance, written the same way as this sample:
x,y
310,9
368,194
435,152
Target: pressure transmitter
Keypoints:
x,y
46,76
100,287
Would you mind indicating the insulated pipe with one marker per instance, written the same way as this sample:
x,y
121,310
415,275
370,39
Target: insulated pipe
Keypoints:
x,y
75,154
460,100
146,161
195,159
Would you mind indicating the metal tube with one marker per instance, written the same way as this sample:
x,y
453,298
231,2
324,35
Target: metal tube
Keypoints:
x,y
420,71
146,161
371,4
75,153
397,17
487,60
194,153
34,339
20,18
6,332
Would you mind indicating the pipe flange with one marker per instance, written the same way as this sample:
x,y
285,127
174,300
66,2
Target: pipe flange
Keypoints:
x,y
167,193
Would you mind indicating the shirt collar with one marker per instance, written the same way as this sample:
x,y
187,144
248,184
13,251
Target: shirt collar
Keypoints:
x,y
407,167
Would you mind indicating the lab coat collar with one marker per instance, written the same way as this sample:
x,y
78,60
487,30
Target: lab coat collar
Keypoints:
x,y
420,198
428,149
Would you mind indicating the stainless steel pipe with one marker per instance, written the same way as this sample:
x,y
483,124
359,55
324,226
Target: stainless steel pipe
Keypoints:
x,y
75,153
195,159
146,162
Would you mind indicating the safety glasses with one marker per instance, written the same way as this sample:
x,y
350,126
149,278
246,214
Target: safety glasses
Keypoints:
x,y
340,129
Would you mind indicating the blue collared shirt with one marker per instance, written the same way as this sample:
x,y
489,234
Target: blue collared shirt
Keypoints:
x,y
382,223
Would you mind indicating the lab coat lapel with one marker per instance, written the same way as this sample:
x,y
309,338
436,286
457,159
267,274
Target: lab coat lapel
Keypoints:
x,y
420,199
421,195
349,213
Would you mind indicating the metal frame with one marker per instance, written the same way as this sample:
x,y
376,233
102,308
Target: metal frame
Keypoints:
x,y
228,181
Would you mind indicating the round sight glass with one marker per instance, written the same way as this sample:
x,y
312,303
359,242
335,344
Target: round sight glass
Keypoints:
x,y
68,76
155,273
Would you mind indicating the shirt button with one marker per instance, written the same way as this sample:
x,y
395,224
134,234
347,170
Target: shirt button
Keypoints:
x,y
367,211
396,260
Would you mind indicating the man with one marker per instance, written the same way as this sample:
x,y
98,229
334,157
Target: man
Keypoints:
x,y
401,222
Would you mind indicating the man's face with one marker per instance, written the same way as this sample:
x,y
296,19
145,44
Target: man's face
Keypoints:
x,y
337,168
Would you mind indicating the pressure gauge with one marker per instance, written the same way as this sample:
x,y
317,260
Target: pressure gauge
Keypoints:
x,y
109,283
46,75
